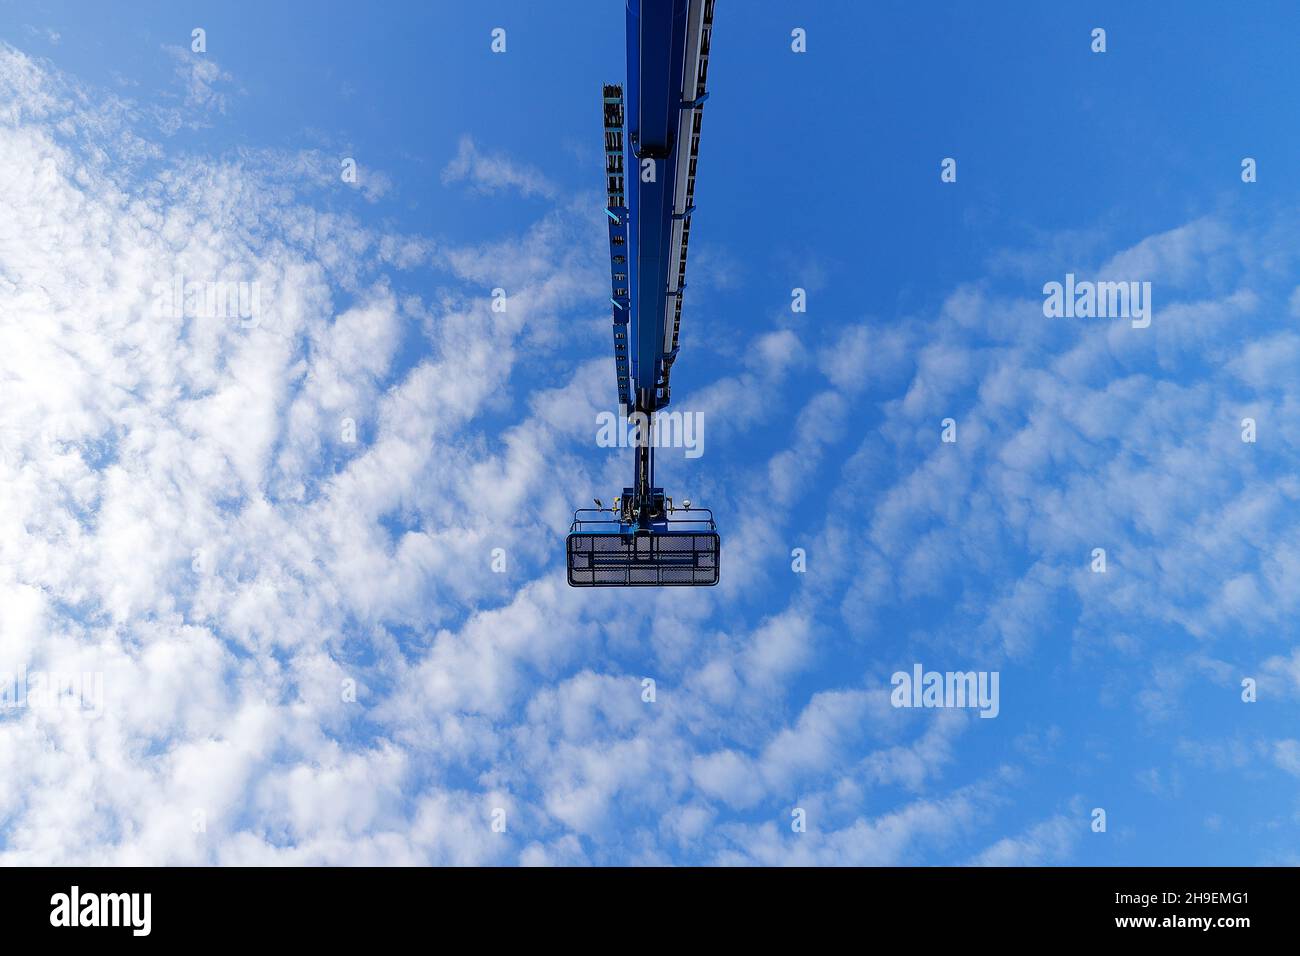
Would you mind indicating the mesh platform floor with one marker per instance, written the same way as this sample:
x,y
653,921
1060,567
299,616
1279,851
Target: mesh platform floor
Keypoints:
x,y
683,558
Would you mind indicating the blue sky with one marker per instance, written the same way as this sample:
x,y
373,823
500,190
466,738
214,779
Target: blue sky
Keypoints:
x,y
306,655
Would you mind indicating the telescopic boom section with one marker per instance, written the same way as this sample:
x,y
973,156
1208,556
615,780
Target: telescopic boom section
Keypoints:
x,y
668,59
652,139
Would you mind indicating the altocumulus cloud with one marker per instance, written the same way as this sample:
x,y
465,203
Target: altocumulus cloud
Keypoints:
x,y
184,511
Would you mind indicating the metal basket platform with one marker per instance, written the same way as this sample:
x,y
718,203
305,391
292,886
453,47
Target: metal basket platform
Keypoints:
x,y
666,556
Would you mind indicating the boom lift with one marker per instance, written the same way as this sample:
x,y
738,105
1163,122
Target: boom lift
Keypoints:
x,y
652,140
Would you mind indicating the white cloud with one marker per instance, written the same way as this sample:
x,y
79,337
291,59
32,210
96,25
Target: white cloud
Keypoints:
x,y
203,91
492,172
1051,841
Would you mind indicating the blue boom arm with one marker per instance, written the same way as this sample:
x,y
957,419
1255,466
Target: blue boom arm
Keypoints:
x,y
651,148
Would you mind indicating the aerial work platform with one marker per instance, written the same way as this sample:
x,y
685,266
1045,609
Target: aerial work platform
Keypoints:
x,y
602,552
652,141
